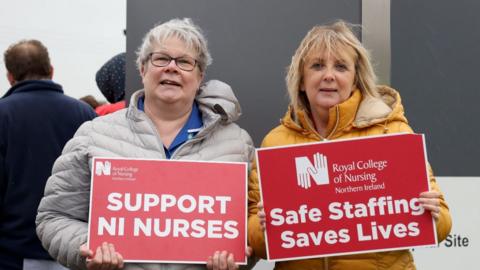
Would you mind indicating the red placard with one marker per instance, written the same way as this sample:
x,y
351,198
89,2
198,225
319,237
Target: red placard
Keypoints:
x,y
168,211
345,197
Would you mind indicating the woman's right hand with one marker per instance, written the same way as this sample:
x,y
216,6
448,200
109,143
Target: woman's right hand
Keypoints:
x,y
261,215
105,257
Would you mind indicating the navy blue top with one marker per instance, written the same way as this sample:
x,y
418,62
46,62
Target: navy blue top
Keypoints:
x,y
189,130
36,120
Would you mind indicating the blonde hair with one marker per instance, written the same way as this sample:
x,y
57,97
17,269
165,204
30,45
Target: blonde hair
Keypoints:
x,y
330,39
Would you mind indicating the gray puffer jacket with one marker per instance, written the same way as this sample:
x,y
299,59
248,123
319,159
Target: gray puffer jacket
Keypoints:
x,y
63,212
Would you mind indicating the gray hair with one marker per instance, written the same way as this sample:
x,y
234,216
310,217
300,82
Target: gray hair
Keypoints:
x,y
183,29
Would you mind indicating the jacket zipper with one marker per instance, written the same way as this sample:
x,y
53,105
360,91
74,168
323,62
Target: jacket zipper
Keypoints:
x,y
159,140
337,120
195,139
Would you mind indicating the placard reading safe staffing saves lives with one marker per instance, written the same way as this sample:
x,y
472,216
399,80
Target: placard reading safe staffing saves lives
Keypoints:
x,y
168,211
345,197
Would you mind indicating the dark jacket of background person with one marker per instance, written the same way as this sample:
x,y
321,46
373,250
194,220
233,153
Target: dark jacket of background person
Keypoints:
x,y
36,120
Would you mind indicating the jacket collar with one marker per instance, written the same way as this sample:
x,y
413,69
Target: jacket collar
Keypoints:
x,y
34,85
340,116
357,111
215,100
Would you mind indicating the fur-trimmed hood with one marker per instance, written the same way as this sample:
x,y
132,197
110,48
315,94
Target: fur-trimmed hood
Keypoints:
x,y
358,111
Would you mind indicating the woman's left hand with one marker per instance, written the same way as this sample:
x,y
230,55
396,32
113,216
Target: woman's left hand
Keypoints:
x,y
430,200
224,260
104,258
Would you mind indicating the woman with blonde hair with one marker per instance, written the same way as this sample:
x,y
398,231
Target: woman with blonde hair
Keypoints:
x,y
333,95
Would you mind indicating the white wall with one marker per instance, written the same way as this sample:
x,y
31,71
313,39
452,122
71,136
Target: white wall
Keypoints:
x,y
80,36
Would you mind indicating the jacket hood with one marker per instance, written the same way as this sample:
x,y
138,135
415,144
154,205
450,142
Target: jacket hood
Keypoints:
x,y
387,107
358,111
215,99
218,97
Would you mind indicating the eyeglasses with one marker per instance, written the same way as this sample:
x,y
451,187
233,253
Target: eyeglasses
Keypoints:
x,y
185,63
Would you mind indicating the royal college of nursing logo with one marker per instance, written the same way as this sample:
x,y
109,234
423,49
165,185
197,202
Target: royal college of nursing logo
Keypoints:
x,y
307,171
103,168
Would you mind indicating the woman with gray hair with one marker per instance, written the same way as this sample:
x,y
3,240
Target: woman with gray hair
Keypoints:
x,y
174,116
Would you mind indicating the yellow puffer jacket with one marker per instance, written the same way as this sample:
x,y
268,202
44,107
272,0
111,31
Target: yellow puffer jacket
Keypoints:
x,y
358,116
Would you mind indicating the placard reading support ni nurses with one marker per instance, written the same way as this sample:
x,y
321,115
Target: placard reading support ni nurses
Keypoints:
x,y
168,211
345,197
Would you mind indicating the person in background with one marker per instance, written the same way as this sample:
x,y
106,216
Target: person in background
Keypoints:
x,y
175,116
110,80
92,101
36,120
333,95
